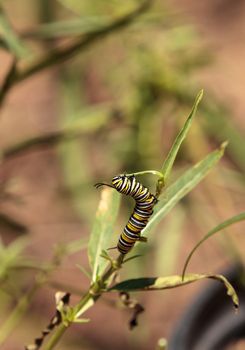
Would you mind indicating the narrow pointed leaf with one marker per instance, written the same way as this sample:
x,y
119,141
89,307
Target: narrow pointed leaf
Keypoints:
x,y
81,320
103,229
84,271
75,26
132,258
169,161
231,221
182,186
161,283
10,38
72,247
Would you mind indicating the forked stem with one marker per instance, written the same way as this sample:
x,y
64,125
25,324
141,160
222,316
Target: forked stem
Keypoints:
x,y
153,172
88,300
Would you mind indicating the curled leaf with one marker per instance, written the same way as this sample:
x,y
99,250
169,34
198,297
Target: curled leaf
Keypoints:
x,y
132,304
161,283
62,300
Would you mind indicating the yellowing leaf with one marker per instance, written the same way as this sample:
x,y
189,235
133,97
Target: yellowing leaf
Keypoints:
x,y
160,283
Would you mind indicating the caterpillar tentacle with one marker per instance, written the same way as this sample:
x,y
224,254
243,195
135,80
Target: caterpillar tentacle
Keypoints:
x,y
144,203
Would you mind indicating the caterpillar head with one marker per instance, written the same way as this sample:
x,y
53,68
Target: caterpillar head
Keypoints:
x,y
118,180
122,181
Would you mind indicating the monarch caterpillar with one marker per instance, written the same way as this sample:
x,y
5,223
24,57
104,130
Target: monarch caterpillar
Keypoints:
x,y
143,209
62,300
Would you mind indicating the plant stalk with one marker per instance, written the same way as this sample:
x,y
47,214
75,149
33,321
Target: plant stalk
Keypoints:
x,y
87,301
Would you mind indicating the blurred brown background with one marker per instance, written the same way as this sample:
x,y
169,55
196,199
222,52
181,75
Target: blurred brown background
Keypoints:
x,y
117,106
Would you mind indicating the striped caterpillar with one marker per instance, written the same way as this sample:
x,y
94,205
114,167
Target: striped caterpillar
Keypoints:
x,y
143,209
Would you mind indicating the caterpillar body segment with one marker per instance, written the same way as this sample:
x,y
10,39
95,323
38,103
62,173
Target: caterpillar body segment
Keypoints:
x,y
145,201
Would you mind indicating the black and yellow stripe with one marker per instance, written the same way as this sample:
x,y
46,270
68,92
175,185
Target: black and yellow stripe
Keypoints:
x,y
143,210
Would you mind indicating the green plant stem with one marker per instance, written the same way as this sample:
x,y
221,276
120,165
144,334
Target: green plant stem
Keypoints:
x,y
153,172
8,81
59,55
56,337
160,183
47,140
86,302
24,302
60,29
14,318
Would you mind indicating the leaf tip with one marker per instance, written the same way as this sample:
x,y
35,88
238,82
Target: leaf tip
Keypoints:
x,y
201,92
199,96
224,145
235,299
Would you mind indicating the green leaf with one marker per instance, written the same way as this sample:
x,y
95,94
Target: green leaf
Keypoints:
x,y
10,38
169,161
84,271
97,6
66,249
182,186
231,221
103,229
85,121
160,283
132,258
73,5
81,320
77,26
11,255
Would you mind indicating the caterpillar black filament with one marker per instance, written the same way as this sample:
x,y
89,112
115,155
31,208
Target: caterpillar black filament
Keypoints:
x,y
143,209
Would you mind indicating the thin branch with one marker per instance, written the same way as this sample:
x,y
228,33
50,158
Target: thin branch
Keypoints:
x,y
49,139
94,293
10,38
12,224
59,55
9,81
